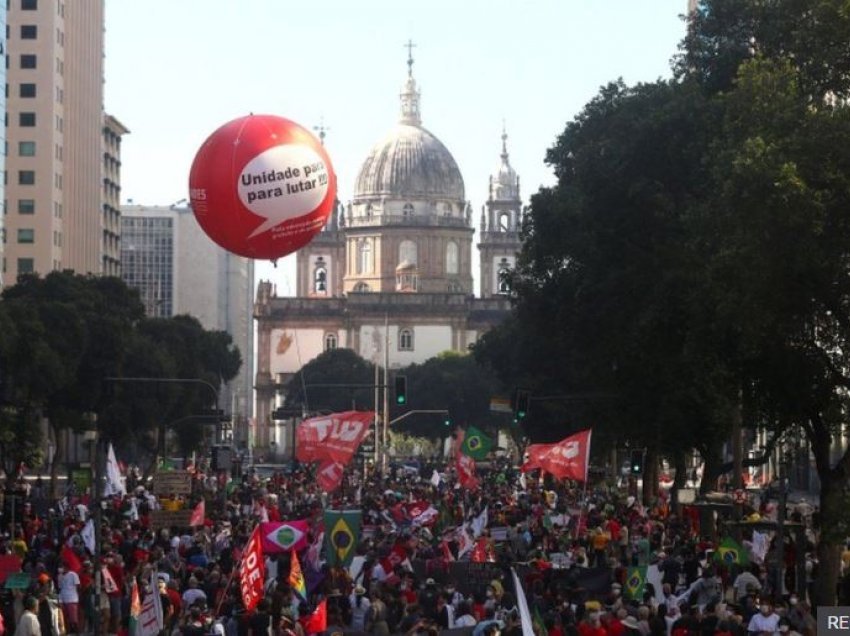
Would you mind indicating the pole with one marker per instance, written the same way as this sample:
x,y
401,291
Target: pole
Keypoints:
x,y
377,406
385,422
780,536
96,517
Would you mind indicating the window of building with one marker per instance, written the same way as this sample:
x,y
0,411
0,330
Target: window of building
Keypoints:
x,y
26,266
503,285
364,256
29,32
26,177
26,235
504,222
26,148
452,259
320,278
454,287
369,211
330,341
26,119
407,252
361,287
27,90
447,209
405,340
29,60
407,210
29,5
26,206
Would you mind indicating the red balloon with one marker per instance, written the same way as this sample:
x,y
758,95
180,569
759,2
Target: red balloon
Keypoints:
x,y
262,186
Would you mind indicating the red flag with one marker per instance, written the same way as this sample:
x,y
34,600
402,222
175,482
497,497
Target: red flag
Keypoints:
x,y
567,459
329,476
252,571
447,551
316,622
466,472
198,514
397,556
334,437
479,552
71,559
296,577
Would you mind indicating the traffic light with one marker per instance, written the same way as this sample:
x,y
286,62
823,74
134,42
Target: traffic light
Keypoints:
x,y
401,390
523,397
636,463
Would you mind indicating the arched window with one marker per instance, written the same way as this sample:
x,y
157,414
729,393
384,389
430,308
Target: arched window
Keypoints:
x,y
330,341
407,210
364,256
407,252
361,287
504,222
369,211
452,258
503,285
320,278
447,209
405,340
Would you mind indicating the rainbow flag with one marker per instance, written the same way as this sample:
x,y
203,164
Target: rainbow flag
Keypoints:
x,y
296,578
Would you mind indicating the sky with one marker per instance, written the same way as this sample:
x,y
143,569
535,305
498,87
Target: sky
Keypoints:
x,y
176,70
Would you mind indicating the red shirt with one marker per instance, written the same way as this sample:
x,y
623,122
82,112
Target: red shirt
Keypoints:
x,y
586,629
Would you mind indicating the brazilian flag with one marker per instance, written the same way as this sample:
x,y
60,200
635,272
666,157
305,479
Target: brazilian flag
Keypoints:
x,y
635,583
476,444
730,552
342,534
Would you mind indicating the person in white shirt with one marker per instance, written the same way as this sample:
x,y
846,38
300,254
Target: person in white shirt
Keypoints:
x,y
69,597
765,623
28,625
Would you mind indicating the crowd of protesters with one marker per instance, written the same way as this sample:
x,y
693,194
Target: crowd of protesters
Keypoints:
x,y
558,537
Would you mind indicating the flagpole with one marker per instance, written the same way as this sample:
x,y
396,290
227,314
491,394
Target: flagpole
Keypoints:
x,y
584,489
227,587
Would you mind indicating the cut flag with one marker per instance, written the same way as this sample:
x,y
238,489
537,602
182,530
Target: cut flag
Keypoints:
x,y
71,560
567,459
522,603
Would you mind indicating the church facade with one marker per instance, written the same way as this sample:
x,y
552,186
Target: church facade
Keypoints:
x,y
393,267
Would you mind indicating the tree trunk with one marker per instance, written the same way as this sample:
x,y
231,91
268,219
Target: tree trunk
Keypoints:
x,y
58,451
710,471
832,516
650,476
679,464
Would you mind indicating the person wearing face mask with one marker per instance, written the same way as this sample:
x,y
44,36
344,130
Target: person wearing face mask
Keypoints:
x,y
785,628
765,623
795,614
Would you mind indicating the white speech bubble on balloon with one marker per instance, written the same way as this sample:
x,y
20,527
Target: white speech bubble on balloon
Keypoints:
x,y
283,183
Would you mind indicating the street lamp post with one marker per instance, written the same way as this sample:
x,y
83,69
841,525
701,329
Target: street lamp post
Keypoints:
x,y
91,436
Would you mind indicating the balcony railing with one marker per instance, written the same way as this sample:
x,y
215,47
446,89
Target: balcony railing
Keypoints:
x,y
416,220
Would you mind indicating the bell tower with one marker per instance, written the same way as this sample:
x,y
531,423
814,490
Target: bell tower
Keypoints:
x,y
320,265
501,221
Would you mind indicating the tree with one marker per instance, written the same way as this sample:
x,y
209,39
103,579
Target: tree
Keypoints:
x,y
337,380
450,381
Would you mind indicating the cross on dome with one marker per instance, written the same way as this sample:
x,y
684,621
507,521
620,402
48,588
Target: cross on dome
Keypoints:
x,y
409,93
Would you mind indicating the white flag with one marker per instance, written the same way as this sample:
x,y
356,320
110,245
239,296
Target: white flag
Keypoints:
x,y
87,533
114,484
464,542
479,524
522,604
150,620
435,479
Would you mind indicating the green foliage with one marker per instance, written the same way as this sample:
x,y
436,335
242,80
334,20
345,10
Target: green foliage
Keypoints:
x,y
63,334
453,382
338,367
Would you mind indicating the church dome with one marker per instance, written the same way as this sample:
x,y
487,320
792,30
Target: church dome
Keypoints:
x,y
409,162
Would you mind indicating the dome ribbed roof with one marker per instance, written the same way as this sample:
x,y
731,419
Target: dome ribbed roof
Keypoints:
x,y
410,162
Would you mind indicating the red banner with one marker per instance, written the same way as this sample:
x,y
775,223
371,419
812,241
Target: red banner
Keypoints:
x,y
567,459
329,476
333,437
466,472
252,571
